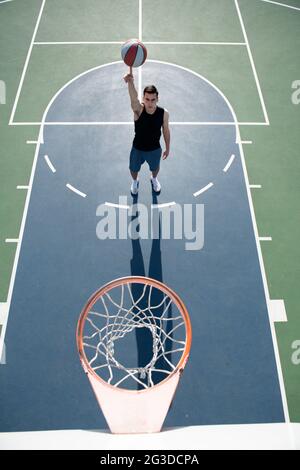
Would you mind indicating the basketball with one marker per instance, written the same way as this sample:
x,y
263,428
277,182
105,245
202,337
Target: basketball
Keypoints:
x,y
134,53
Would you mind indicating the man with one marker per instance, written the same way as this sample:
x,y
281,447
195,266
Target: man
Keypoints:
x,y
148,121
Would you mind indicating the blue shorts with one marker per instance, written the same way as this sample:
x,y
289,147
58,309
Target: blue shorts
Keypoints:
x,y
138,157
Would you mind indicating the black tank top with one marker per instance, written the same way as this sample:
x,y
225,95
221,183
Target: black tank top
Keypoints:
x,y
148,130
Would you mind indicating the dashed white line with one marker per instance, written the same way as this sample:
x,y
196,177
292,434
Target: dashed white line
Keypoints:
x,y
203,189
11,240
50,165
229,163
265,239
118,206
246,142
32,142
165,204
75,190
255,186
22,187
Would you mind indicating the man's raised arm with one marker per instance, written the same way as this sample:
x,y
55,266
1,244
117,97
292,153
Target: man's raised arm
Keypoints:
x,y
135,103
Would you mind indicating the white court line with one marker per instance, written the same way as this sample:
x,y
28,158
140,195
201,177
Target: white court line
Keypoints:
x,y
26,63
140,20
22,187
277,309
130,123
246,142
203,189
252,63
57,43
3,355
140,83
264,279
255,186
31,142
118,206
11,240
17,254
281,4
50,165
75,190
265,239
195,43
229,163
165,204
158,43
140,38
5,1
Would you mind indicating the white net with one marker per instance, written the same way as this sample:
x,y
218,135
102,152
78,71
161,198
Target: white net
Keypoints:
x,y
134,336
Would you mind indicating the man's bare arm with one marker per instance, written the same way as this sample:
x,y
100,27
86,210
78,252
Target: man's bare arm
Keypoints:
x,y
166,134
135,103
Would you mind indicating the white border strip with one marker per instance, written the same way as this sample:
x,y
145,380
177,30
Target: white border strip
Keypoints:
x,y
255,186
31,142
197,193
22,187
50,164
265,239
252,63
26,63
281,4
229,163
75,190
5,1
11,240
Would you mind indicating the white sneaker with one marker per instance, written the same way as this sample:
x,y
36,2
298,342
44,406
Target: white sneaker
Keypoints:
x,y
156,185
134,189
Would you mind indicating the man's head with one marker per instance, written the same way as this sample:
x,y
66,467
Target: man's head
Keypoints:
x,y
150,98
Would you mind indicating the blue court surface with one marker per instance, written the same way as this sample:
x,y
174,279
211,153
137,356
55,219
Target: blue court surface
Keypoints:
x,y
231,376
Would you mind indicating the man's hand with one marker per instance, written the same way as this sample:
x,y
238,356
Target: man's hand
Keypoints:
x,y
128,77
165,154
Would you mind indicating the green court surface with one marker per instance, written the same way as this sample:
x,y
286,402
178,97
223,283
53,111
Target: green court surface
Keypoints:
x,y
248,49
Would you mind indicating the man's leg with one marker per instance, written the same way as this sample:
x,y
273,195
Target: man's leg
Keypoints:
x,y
134,174
155,173
154,181
134,167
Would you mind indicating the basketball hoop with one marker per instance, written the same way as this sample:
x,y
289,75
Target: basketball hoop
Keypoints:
x,y
134,398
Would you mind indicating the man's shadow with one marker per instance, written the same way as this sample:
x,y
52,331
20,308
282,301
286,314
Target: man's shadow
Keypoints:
x,y
144,337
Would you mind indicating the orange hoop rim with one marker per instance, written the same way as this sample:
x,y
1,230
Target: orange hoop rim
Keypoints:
x,y
133,280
